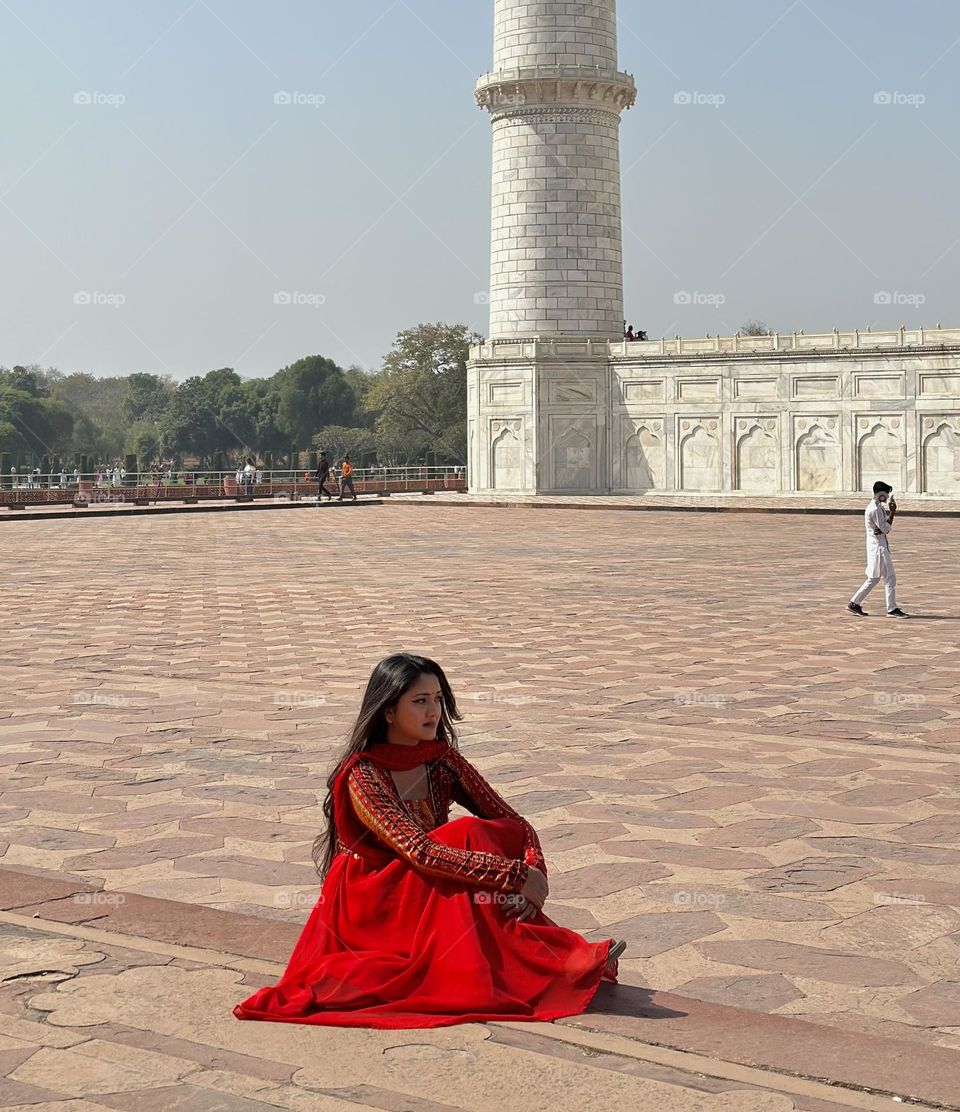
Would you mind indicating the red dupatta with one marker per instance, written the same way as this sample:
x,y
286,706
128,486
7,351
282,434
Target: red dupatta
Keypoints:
x,y
400,758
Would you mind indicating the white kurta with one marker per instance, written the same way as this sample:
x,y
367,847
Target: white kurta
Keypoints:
x,y
879,562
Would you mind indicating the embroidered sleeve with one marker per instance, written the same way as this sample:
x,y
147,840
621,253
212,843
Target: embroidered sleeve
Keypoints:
x,y
472,791
378,808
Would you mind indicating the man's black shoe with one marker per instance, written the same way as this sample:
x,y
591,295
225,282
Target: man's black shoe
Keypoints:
x,y
856,608
898,613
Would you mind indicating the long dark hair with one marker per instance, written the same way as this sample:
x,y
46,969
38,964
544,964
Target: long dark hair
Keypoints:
x,y
389,680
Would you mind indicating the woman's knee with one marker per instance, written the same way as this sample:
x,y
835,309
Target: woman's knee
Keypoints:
x,y
501,836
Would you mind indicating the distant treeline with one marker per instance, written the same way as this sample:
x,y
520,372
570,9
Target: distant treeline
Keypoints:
x,y
413,410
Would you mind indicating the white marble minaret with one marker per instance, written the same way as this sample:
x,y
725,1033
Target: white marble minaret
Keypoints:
x,y
556,274
555,98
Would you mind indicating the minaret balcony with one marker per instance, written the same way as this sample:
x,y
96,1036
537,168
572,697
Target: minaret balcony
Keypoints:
x,y
509,91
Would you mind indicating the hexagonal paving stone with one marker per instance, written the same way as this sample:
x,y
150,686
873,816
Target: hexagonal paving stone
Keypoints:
x,y
890,928
764,993
675,853
886,851
814,874
936,1005
641,816
757,832
654,932
932,831
593,881
572,835
810,962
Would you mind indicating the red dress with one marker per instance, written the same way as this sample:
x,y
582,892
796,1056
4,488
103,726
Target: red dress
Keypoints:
x,y
412,931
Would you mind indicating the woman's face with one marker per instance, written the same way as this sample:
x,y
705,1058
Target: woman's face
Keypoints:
x,y
416,714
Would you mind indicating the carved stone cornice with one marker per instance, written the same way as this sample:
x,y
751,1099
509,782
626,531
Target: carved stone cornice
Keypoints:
x,y
509,92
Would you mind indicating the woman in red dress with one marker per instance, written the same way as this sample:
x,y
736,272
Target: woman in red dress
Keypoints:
x,y
423,922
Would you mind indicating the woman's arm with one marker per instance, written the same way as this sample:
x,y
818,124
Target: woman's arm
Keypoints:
x,y
379,809
475,794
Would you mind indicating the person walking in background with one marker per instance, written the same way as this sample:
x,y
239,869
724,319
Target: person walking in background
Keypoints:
x,y
346,478
878,519
323,473
249,474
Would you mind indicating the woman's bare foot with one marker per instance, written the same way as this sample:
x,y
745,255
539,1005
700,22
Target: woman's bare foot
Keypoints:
x,y
615,953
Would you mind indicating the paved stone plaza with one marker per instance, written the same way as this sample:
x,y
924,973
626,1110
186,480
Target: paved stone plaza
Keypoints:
x,y
757,790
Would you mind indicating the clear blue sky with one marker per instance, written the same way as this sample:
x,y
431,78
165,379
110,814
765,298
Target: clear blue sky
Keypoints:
x,y
797,200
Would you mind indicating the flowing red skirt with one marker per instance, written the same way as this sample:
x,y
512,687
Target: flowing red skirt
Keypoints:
x,y
392,948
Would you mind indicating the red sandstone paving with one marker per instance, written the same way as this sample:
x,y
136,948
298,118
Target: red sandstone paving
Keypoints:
x,y
695,732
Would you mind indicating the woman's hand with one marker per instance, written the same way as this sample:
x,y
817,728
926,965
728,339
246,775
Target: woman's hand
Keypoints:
x,y
520,908
535,888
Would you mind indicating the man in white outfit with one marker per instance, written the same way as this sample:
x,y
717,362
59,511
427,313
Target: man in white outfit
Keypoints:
x,y
878,519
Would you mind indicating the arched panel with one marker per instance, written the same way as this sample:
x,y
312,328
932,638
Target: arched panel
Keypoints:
x,y
758,461
818,460
941,459
643,461
700,461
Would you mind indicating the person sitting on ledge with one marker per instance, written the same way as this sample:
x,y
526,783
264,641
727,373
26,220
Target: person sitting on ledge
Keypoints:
x,y
629,334
424,922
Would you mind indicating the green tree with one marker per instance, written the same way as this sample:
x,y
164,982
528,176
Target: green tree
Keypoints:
x,y
147,396
32,423
194,422
144,445
313,392
420,395
360,382
338,441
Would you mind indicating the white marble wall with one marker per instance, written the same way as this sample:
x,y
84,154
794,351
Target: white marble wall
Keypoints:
x,y
592,419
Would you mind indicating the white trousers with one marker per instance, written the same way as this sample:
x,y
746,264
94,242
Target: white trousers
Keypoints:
x,y
889,577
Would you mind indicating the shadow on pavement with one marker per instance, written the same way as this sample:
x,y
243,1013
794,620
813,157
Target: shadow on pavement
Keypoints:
x,y
629,1000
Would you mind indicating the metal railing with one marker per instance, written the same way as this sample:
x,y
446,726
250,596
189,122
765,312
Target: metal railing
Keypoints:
x,y
25,480
212,484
